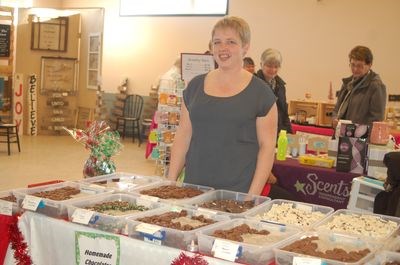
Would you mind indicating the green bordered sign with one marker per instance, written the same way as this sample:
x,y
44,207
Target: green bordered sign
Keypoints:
x,y
94,248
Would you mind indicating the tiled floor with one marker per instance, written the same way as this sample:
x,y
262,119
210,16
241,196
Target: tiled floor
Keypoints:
x,y
45,158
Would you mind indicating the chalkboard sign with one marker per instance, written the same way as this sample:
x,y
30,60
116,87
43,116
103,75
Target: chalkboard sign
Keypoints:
x,y
5,40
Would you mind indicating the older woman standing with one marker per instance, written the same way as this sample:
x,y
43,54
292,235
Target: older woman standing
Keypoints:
x,y
362,97
226,136
271,61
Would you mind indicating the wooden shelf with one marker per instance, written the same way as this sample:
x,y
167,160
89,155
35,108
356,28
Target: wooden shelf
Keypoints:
x,y
321,111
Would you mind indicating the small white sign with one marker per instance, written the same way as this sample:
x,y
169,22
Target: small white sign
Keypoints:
x,y
205,212
82,216
144,202
306,261
6,207
147,228
31,202
305,208
96,186
224,250
150,198
93,248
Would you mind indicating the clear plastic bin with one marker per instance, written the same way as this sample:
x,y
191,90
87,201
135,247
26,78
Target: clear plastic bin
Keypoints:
x,y
385,257
392,244
309,215
228,195
107,222
327,241
256,254
122,182
55,208
373,226
15,208
183,201
169,236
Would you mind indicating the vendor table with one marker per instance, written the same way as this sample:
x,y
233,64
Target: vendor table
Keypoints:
x,y
52,241
317,185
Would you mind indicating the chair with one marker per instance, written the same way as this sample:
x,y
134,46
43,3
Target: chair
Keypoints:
x,y
132,111
10,132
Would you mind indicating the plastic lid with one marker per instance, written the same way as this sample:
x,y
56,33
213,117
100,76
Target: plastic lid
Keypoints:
x,y
282,132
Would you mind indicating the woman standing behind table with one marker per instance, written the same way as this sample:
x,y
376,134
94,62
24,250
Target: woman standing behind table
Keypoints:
x,y
271,61
227,132
362,98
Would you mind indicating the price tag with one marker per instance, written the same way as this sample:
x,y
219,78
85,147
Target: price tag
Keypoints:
x,y
6,207
125,185
307,261
305,208
144,202
82,216
147,228
91,190
225,250
176,209
205,212
150,198
31,202
98,187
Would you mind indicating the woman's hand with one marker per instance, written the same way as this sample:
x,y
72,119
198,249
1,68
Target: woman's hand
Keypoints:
x,y
272,179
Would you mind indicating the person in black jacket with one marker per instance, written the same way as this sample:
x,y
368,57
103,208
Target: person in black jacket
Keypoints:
x,y
271,60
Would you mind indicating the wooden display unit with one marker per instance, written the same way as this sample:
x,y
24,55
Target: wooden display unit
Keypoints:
x,y
321,111
325,112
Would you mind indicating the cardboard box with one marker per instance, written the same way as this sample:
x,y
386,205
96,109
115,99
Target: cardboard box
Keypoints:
x,y
376,168
352,155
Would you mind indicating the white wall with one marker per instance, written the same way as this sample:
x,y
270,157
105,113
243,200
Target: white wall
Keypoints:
x,y
314,36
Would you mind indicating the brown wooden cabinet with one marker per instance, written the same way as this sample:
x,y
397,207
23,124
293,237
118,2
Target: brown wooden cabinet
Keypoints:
x,y
313,112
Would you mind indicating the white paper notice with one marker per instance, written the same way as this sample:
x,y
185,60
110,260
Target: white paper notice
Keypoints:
x,y
306,261
224,250
94,248
6,207
147,228
82,216
31,202
194,64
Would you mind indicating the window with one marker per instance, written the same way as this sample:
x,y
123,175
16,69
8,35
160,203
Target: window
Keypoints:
x,y
173,7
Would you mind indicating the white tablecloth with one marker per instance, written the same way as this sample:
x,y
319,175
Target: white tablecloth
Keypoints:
x,y
52,241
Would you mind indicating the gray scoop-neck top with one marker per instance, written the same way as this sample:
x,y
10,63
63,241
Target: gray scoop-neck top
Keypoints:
x,y
223,148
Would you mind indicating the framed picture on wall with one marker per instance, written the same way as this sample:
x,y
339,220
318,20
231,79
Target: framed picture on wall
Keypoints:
x,y
50,35
59,74
94,60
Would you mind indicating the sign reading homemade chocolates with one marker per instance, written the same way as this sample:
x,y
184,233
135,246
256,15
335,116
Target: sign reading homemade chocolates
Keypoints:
x,y
5,40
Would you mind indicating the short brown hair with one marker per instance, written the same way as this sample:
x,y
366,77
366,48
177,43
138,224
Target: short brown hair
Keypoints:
x,y
361,53
236,23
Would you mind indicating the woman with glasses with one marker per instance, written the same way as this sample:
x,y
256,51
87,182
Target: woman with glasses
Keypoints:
x,y
362,98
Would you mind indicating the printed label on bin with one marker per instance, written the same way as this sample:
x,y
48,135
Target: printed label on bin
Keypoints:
x,y
150,198
31,202
305,208
205,212
82,216
144,202
125,185
91,190
147,228
176,209
225,250
307,261
5,207
96,186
